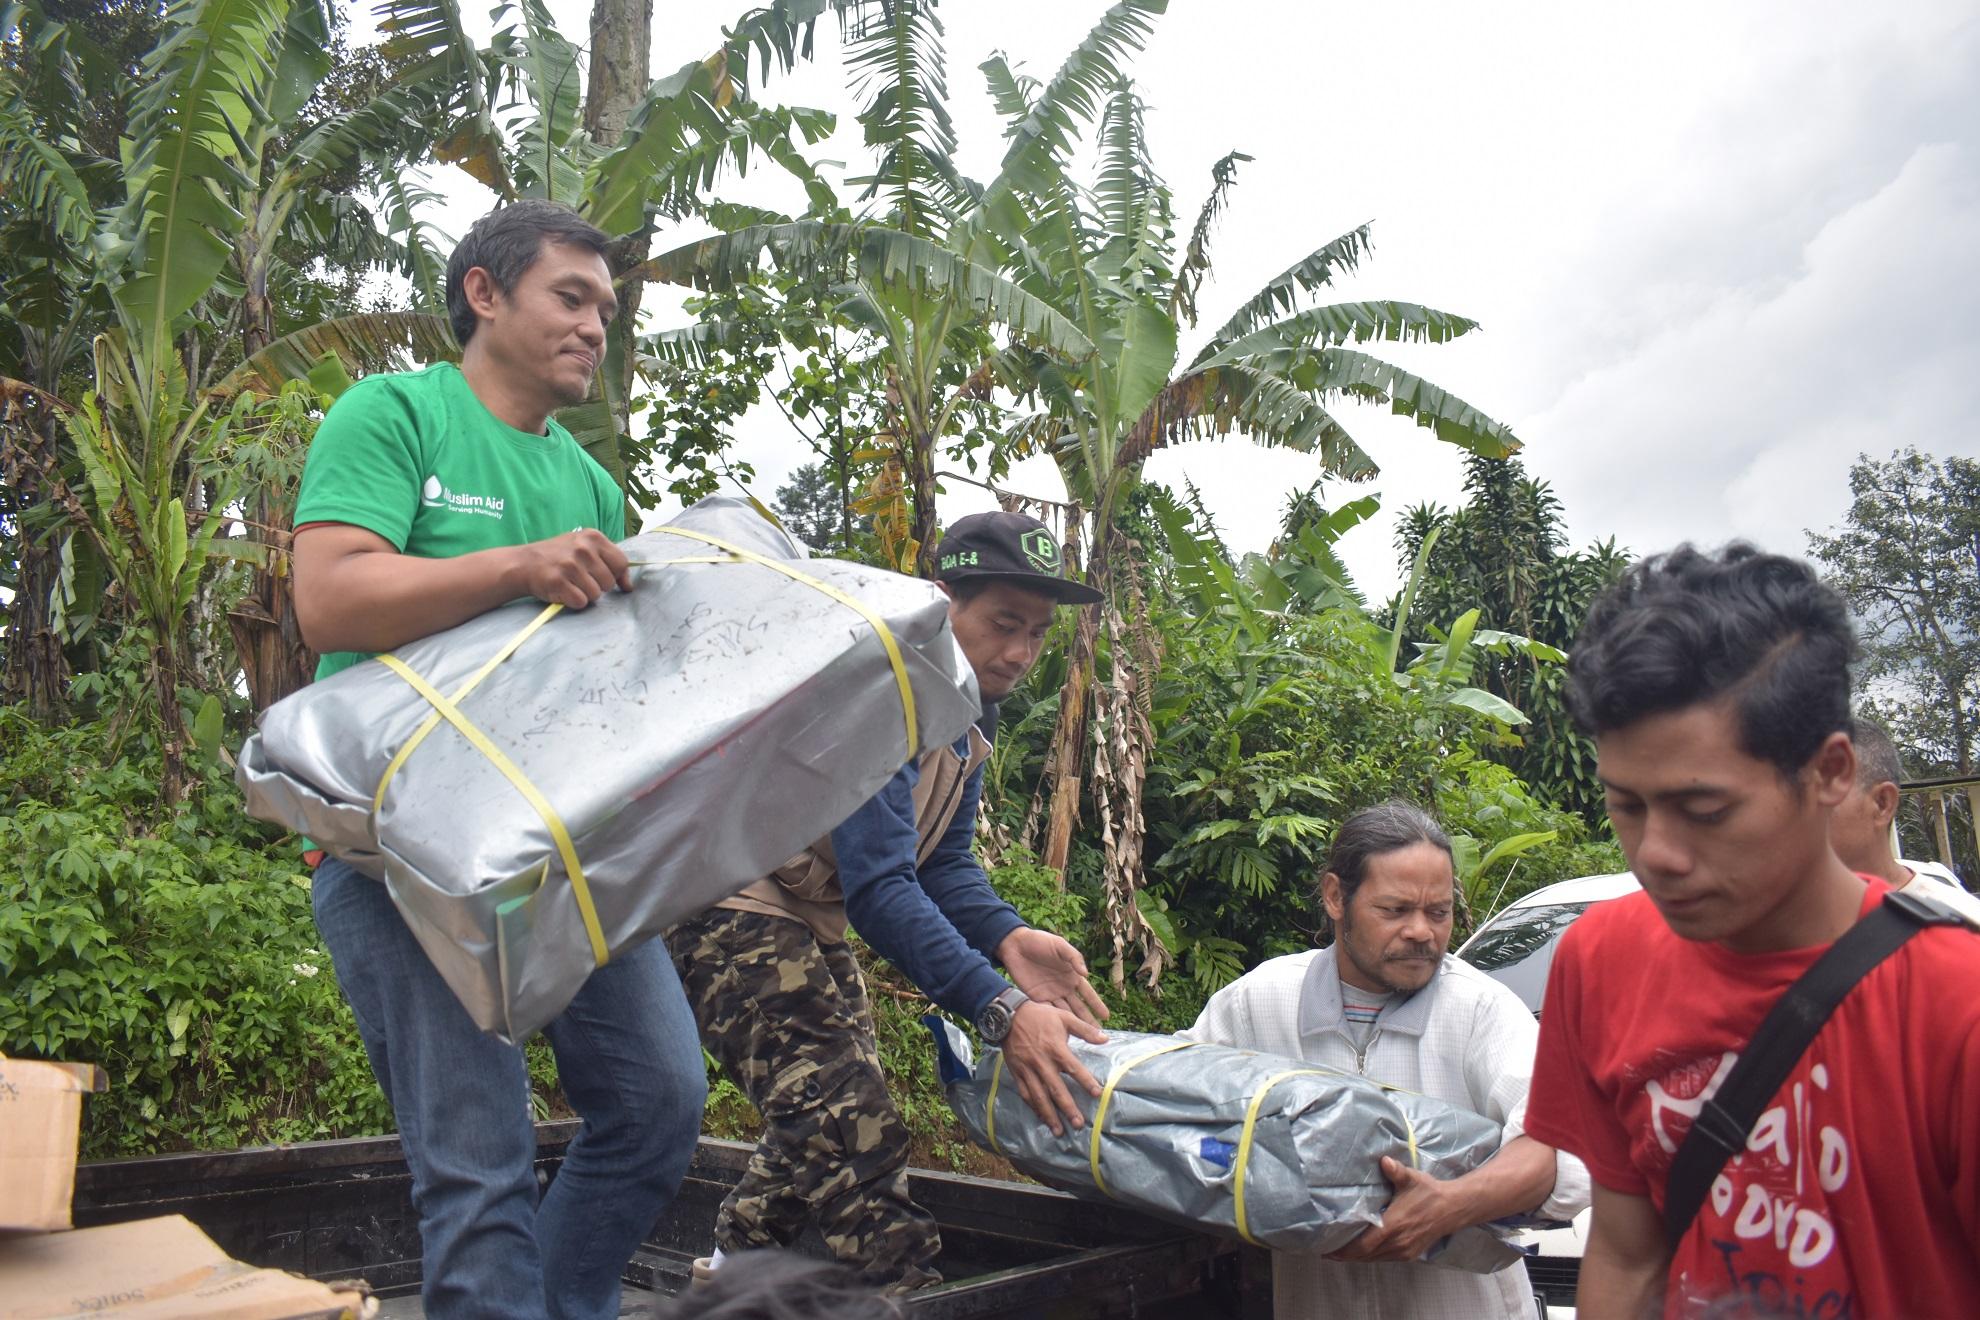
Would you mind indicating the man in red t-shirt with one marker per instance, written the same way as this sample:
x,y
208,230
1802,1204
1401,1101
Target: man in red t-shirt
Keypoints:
x,y
1716,688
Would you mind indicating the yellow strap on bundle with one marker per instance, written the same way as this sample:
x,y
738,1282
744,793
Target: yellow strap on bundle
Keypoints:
x,y
990,1110
1107,1099
565,849
432,721
447,707
1251,1124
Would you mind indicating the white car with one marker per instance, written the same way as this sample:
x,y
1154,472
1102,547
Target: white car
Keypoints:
x,y
1517,945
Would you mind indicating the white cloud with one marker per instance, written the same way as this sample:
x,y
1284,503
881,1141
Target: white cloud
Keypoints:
x,y
1743,420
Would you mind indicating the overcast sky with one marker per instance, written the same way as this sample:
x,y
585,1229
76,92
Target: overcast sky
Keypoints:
x,y
1717,249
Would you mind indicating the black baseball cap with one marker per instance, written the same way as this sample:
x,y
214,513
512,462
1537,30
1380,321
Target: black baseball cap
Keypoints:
x,y
1011,547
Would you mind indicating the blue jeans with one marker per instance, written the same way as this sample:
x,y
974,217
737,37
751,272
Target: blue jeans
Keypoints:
x,y
630,1064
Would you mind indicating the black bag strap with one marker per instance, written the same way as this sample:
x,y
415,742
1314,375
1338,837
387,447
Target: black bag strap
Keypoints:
x,y
1723,1123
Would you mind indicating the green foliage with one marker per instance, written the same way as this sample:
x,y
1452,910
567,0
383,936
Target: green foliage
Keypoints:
x,y
209,84
180,956
703,377
1035,892
1503,554
176,946
690,412
1907,559
1507,842
1278,713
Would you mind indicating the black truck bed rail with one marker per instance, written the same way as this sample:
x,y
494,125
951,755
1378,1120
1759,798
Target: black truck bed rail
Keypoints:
x,y
342,1209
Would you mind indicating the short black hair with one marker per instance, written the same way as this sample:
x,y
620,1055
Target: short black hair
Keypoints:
x,y
506,243
1686,628
1377,831
964,590
781,1285
1877,759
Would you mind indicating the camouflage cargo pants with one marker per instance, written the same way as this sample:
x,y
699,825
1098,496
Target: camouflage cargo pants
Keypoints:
x,y
787,1018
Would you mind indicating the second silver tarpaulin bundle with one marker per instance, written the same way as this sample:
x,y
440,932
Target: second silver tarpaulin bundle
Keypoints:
x,y
540,789
1271,1150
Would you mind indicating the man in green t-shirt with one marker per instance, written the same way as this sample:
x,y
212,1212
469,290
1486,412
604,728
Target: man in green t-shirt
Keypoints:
x,y
431,497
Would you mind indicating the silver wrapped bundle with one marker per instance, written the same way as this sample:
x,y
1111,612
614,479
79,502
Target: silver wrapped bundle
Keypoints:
x,y
1271,1150
540,789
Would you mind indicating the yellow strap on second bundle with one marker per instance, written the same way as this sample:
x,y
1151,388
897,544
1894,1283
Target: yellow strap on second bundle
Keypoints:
x,y
1251,1124
858,606
1107,1099
990,1110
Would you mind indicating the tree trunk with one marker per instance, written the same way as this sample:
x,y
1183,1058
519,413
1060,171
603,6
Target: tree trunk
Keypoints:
x,y
842,464
921,491
841,451
1123,743
1973,816
275,660
1065,762
172,724
621,51
33,669
1935,810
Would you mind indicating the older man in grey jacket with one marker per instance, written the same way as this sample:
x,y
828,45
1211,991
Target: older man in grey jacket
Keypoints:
x,y
1386,1001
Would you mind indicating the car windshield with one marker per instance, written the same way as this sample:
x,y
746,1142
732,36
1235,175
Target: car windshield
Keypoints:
x,y
1517,947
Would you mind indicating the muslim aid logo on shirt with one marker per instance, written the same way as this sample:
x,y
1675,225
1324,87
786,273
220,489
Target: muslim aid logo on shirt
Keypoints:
x,y
434,495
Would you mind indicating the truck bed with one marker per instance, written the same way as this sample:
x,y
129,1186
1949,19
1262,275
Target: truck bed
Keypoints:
x,y
338,1209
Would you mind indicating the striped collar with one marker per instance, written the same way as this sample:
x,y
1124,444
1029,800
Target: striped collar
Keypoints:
x,y
1321,1011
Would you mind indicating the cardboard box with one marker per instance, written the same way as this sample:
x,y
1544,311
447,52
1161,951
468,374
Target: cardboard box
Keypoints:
x,y
153,1269
40,1122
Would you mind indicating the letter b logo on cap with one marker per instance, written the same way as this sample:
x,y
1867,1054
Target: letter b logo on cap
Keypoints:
x,y
1041,550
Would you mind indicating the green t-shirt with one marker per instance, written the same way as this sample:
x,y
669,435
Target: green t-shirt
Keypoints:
x,y
417,458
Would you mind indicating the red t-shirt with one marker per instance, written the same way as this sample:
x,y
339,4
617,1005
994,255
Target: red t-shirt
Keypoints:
x,y
1858,1193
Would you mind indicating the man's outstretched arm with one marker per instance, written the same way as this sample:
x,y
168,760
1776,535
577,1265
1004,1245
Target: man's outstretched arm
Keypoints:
x,y
356,592
888,904
1427,1209
1624,1266
1044,965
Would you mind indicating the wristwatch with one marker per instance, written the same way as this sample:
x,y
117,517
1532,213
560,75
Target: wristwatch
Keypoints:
x,y
994,1022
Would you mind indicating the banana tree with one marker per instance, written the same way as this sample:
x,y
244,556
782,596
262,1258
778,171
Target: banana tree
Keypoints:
x,y
931,277
221,71
55,181
291,216
1273,371
217,185
227,213
160,551
917,272
514,115
1303,571
925,304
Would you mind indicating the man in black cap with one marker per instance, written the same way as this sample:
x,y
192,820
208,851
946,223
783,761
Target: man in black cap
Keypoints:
x,y
779,997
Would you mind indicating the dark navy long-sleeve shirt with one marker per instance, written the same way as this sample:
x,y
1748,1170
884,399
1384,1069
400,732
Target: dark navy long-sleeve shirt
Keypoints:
x,y
940,922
